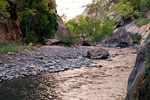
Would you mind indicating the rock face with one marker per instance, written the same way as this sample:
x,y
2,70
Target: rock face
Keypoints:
x,y
120,39
10,31
144,30
62,29
136,77
98,54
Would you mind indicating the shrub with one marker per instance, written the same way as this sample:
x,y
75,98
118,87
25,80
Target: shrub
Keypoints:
x,y
69,39
135,37
9,47
13,47
31,38
142,21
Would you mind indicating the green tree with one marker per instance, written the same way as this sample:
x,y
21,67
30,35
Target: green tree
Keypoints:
x,y
125,9
37,18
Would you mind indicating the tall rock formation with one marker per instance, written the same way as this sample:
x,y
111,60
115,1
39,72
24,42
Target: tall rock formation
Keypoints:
x,y
62,29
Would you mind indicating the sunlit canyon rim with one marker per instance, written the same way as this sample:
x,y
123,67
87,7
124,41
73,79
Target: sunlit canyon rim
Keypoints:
x,y
71,8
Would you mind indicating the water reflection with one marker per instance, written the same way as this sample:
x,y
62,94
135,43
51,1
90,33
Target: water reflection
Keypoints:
x,y
41,87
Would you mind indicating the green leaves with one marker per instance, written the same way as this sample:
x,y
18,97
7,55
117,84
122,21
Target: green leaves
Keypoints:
x,y
4,15
37,20
125,9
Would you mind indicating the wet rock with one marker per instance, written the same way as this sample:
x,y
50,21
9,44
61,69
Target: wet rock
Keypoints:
x,y
90,65
120,39
98,54
8,75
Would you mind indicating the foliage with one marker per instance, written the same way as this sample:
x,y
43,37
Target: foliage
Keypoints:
x,y
125,9
95,29
36,17
96,7
135,37
69,39
3,10
31,38
142,21
104,27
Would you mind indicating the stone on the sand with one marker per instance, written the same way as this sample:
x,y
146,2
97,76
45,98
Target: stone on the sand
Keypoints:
x,y
98,54
120,38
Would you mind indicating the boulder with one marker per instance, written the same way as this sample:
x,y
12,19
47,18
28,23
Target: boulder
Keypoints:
x,y
120,38
144,30
99,53
52,42
84,43
135,80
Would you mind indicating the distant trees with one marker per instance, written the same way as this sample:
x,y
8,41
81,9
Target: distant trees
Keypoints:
x,y
37,20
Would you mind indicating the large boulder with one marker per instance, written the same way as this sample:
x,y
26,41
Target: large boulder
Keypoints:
x,y
52,42
84,43
99,53
120,38
136,79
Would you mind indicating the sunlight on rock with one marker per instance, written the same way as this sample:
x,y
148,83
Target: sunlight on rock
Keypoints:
x,y
71,8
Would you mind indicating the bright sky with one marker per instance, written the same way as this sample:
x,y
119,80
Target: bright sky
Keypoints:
x,y
71,8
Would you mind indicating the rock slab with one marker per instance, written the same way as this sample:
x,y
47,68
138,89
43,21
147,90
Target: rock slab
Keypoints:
x,y
97,54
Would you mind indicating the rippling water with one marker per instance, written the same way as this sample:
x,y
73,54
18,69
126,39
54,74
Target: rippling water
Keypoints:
x,y
41,87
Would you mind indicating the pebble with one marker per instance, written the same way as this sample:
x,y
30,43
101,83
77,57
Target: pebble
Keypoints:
x,y
90,65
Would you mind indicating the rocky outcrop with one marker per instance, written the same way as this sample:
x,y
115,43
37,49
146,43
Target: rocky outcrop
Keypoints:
x,y
144,30
120,39
62,29
135,81
10,30
98,54
84,43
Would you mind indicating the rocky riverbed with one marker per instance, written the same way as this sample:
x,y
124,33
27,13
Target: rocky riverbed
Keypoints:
x,y
85,83
51,59
46,58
